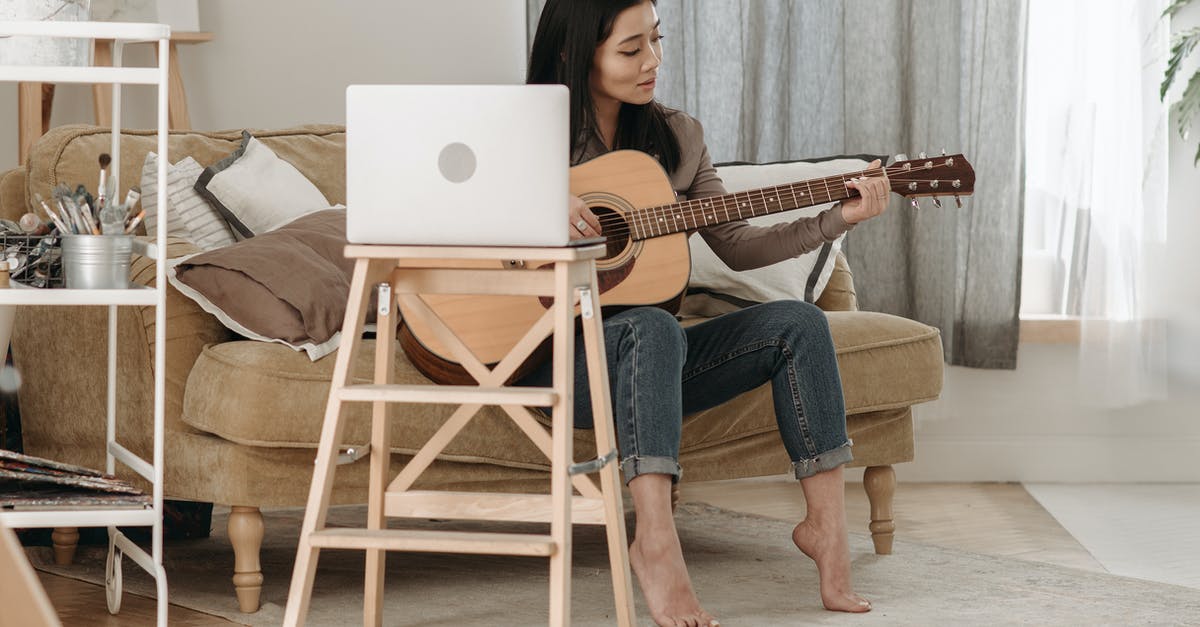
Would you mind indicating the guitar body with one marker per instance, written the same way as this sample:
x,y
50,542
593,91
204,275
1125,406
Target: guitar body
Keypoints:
x,y
632,273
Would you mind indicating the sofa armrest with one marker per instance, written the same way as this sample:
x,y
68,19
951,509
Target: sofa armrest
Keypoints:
x,y
61,353
189,327
12,194
839,293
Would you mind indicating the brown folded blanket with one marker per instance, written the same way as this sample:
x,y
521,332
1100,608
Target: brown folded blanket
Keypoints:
x,y
288,285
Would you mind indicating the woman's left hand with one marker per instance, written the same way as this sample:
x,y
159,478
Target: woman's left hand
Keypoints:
x,y
873,198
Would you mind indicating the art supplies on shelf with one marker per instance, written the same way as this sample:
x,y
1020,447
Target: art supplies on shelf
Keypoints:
x,y
77,212
32,260
28,481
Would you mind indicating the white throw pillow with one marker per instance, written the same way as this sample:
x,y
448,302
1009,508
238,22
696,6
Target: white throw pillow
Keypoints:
x,y
190,216
256,191
714,288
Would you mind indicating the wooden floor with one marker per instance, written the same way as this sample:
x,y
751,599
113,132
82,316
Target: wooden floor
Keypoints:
x,y
79,603
990,518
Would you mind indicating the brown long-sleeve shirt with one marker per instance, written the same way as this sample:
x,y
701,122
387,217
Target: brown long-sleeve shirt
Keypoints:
x,y
740,245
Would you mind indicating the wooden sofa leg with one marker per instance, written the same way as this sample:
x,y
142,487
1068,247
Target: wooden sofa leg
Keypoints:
x,y
246,535
880,483
65,541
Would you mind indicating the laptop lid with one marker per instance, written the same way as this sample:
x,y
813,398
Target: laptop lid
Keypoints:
x,y
474,165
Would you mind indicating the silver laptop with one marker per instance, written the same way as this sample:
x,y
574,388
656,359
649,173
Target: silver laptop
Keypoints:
x,y
473,165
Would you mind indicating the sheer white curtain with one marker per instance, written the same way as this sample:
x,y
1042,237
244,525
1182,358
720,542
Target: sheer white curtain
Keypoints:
x,y
1096,150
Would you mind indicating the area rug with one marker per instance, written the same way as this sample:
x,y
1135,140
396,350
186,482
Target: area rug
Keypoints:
x,y
745,569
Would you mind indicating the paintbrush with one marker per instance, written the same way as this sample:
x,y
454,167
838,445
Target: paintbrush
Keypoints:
x,y
62,227
102,189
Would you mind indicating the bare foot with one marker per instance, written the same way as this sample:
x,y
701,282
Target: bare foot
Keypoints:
x,y
828,547
657,560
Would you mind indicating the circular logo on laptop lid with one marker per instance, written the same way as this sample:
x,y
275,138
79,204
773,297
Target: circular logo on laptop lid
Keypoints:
x,y
456,162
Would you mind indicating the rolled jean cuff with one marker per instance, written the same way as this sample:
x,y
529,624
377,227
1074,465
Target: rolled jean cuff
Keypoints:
x,y
639,465
825,461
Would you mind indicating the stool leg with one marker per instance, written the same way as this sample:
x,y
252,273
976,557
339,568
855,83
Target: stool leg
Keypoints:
x,y
32,118
366,273
614,511
385,359
102,92
177,102
561,449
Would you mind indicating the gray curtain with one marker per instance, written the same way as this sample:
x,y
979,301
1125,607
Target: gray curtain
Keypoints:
x,y
785,79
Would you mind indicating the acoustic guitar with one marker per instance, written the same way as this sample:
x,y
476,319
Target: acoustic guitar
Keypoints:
x,y
646,262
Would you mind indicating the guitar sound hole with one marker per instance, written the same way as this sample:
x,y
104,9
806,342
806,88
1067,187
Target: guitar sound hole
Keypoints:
x,y
615,228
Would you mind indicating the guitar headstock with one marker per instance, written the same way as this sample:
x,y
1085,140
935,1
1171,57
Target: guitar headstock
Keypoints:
x,y
946,175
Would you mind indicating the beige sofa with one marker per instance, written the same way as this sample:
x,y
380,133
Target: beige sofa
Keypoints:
x,y
243,417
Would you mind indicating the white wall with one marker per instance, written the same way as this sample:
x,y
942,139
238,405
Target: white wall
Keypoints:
x,y
278,63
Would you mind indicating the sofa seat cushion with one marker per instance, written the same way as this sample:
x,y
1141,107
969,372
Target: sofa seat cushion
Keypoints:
x,y
264,394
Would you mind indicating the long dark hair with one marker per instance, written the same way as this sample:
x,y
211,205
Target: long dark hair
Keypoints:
x,y
564,47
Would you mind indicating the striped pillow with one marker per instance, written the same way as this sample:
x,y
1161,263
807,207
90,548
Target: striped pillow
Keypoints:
x,y
191,217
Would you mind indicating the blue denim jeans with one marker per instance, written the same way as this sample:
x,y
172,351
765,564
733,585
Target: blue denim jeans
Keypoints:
x,y
660,372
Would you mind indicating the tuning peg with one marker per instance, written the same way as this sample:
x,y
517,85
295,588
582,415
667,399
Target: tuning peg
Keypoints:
x,y
943,152
921,155
958,201
937,203
901,157
914,203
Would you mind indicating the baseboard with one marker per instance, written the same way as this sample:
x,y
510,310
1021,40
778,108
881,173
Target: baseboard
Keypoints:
x,y
1051,459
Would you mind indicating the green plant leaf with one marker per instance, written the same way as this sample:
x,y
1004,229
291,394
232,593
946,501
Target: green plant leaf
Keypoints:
x,y
1175,6
1188,105
1183,44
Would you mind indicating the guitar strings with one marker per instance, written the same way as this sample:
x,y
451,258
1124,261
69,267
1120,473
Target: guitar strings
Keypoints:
x,y
618,223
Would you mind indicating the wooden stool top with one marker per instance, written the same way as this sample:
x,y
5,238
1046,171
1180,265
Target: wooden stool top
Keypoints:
x,y
535,253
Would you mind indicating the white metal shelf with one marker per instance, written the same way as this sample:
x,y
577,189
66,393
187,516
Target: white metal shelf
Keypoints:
x,y
52,74
143,296
93,517
108,516
129,31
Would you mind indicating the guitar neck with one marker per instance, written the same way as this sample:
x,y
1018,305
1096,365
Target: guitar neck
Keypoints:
x,y
710,211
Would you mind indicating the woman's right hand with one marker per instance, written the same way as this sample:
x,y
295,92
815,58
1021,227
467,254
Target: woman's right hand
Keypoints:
x,y
584,223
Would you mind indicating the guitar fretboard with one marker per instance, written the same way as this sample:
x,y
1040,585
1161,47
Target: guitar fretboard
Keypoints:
x,y
713,210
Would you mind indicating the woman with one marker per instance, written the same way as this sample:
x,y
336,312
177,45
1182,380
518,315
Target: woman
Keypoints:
x,y
608,53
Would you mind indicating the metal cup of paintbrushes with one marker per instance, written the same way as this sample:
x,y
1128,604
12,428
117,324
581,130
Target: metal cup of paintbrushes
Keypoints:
x,y
96,261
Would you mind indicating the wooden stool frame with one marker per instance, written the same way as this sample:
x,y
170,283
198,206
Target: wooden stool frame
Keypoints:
x,y
401,273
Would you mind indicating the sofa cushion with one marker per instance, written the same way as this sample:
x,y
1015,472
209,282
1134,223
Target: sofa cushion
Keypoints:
x,y
266,395
257,191
190,216
802,277
886,361
288,285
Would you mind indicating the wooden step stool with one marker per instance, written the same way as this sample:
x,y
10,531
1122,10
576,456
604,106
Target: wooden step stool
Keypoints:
x,y
401,273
